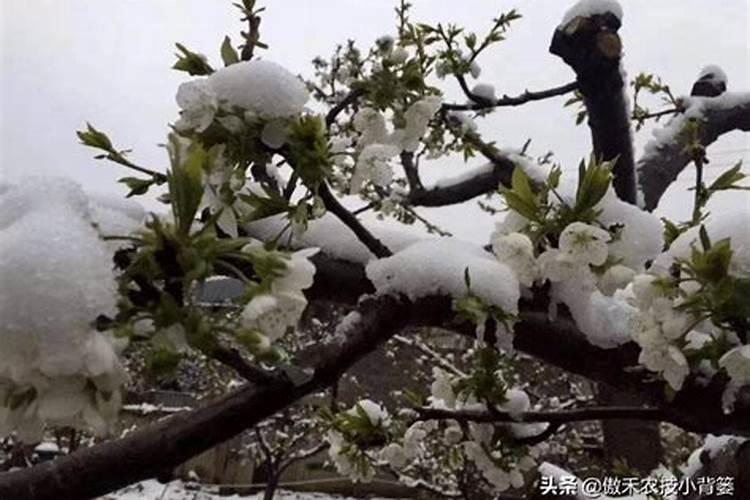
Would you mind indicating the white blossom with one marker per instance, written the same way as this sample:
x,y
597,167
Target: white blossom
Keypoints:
x,y
441,388
395,455
370,123
399,55
585,243
615,278
373,165
516,251
198,103
417,118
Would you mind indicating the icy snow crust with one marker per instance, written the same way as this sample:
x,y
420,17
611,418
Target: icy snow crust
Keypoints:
x,y
56,277
262,87
436,267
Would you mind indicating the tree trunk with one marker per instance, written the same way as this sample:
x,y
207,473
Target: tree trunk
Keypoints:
x,y
272,483
637,442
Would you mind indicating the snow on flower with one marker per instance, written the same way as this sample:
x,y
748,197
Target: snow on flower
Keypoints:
x,y
261,87
373,165
198,104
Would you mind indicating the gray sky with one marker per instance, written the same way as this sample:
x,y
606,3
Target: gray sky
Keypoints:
x,y
107,61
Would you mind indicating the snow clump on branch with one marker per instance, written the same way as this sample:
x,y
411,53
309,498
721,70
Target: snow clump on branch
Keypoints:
x,y
55,368
262,89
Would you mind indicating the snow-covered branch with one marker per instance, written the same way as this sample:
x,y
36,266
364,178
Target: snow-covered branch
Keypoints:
x,y
665,157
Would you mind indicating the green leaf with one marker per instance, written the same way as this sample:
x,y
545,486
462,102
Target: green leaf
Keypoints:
x,y
186,183
728,179
467,278
705,240
228,53
191,62
94,138
137,186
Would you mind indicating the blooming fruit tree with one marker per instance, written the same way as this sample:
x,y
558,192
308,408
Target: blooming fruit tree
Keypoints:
x,y
263,171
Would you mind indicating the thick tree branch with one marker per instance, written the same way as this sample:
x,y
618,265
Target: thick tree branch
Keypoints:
x,y
142,454
505,100
665,157
592,48
483,183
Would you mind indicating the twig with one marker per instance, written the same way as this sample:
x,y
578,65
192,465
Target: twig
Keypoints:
x,y
350,99
505,100
371,242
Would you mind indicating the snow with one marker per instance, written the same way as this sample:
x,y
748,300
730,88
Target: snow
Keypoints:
x,y
178,490
641,238
262,87
532,169
588,8
464,176
733,225
57,278
717,74
437,267
605,321
484,91
329,234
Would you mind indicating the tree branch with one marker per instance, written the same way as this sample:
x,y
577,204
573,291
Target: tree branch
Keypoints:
x,y
552,417
665,157
505,100
347,101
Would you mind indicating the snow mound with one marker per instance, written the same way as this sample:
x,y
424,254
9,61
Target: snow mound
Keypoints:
x,y
437,267
262,87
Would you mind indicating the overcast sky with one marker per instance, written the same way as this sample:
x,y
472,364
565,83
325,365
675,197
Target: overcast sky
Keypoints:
x,y
107,62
